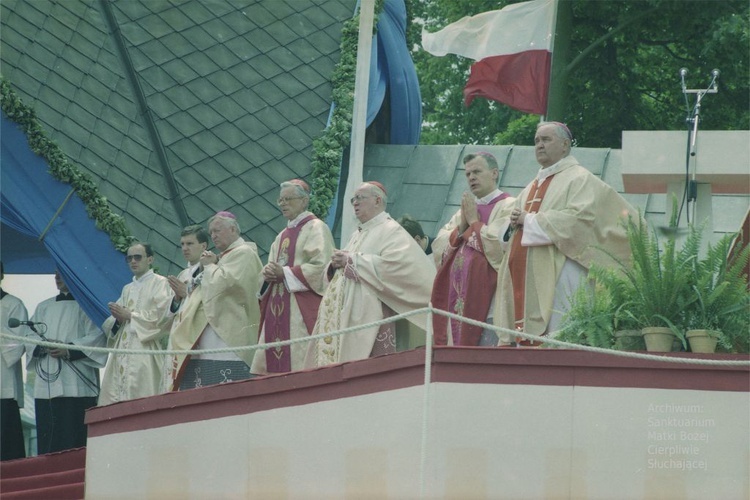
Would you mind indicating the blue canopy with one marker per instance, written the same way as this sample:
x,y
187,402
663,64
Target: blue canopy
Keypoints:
x,y
392,71
45,225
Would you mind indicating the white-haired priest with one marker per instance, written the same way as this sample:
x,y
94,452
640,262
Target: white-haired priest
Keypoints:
x,y
380,273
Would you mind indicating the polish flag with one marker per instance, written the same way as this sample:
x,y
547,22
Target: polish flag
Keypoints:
x,y
513,50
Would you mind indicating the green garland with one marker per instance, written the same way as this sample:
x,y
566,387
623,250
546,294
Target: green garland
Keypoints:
x,y
61,169
328,149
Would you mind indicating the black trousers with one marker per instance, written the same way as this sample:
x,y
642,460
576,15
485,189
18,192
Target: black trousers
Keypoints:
x,y
11,436
59,423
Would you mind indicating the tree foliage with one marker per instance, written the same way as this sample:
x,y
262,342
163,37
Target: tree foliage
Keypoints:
x,y
621,73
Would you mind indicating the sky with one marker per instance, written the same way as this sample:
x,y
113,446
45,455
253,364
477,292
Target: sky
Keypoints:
x,y
30,288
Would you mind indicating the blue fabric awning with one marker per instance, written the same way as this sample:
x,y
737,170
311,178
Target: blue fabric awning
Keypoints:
x,y
93,269
392,72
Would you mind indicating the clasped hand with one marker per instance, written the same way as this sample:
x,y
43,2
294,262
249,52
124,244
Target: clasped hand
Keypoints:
x,y
120,313
272,272
339,259
517,217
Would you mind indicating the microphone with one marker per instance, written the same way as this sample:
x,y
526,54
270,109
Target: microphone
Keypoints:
x,y
683,72
15,323
715,73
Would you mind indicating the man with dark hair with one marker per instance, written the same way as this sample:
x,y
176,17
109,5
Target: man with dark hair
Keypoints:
x,y
414,228
11,377
562,222
66,379
139,321
193,241
467,252
220,310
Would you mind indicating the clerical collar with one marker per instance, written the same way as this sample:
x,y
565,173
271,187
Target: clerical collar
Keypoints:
x,y
192,268
148,274
485,200
544,173
64,296
381,217
295,222
239,241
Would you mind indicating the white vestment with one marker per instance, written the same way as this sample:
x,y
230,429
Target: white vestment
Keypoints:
x,y
66,322
11,376
130,376
579,222
386,268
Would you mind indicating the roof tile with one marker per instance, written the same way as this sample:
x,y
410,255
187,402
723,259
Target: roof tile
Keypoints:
x,y
176,20
260,15
215,126
225,82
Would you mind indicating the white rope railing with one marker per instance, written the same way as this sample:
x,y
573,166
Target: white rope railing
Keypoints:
x,y
352,329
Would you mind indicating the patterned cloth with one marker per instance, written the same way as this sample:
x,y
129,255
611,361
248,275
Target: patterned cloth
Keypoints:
x,y
205,372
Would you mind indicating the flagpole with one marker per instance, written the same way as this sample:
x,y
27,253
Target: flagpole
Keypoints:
x,y
359,116
556,96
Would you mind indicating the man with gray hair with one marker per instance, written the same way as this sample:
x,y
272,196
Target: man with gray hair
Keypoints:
x,y
381,272
220,310
564,221
294,275
468,252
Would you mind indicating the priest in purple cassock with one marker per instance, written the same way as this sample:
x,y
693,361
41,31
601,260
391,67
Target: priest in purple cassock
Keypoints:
x,y
467,252
294,282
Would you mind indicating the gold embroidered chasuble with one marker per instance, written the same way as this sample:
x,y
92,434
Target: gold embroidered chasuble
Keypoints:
x,y
227,298
386,267
312,254
135,376
582,216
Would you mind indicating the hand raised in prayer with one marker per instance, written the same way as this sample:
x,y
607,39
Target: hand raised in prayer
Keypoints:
x,y
339,259
120,313
469,212
209,257
273,272
179,288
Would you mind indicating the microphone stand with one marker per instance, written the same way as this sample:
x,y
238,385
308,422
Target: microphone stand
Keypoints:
x,y
88,383
693,118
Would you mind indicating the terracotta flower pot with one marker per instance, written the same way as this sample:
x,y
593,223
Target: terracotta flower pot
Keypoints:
x,y
702,340
629,340
658,338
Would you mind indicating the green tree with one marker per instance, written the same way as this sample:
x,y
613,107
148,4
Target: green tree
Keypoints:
x,y
622,73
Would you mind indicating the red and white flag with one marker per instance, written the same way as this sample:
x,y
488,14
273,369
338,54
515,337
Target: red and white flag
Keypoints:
x,y
513,50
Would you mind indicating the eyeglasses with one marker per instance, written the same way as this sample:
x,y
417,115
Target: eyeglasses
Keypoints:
x,y
136,257
358,198
287,199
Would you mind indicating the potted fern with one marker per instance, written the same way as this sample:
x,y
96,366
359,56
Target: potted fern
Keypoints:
x,y
589,319
720,311
655,285
626,331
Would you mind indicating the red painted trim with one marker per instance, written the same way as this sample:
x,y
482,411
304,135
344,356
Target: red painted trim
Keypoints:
x,y
527,366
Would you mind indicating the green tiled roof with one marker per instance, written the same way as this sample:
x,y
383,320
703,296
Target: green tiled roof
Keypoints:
x,y
236,92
